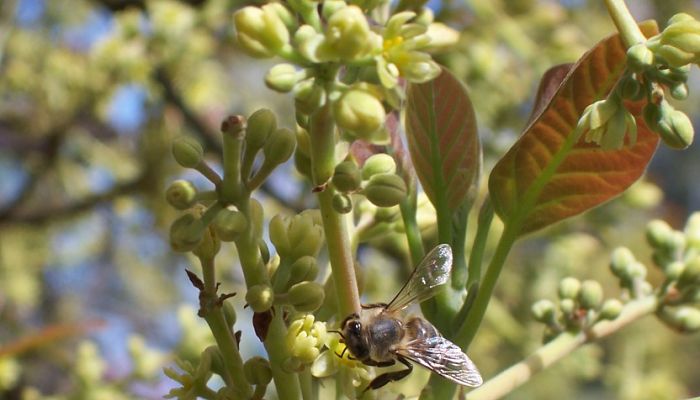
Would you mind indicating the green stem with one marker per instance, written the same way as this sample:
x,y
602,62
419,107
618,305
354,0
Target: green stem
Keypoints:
x,y
476,256
305,382
287,384
222,333
408,214
322,135
260,175
342,265
558,348
471,324
232,147
625,23
209,173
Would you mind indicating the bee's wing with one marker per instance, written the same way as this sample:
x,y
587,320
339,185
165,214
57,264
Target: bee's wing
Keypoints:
x,y
442,357
432,272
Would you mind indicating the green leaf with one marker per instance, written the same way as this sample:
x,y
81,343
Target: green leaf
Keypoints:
x,y
443,140
548,175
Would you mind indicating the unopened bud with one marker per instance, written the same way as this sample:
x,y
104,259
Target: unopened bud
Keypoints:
x,y
378,164
631,89
260,298
342,203
228,224
309,96
187,152
303,269
611,309
543,310
569,288
684,34
264,251
359,112
283,77
306,296
679,91
591,294
181,194
261,32
691,273
685,319
348,36
567,306
676,130
186,233
257,371
279,146
347,177
620,258
692,231
674,56
260,126
385,190
674,270
229,314
657,233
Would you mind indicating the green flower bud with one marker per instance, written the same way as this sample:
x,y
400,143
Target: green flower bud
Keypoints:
x,y
652,115
418,67
591,295
621,257
217,360
260,298
260,126
187,152
302,163
676,130
308,96
229,314
342,203
387,214
657,233
261,32
569,288
639,57
297,236
378,164
303,269
287,18
691,273
385,190
674,270
359,112
692,231
679,91
186,233
675,243
685,319
680,17
635,270
611,309
543,311
228,224
330,7
674,56
279,146
283,77
684,35
631,89
210,244
347,177
306,296
348,36
181,194
257,371
567,306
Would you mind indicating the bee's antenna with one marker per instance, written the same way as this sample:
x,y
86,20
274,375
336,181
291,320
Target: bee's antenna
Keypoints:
x,y
338,332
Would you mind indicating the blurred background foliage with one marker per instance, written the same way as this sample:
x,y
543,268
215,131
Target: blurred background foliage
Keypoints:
x,y
93,303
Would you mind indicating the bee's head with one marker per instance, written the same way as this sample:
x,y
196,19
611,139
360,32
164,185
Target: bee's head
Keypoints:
x,y
354,338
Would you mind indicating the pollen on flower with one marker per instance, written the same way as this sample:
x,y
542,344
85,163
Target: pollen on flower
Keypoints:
x,y
392,43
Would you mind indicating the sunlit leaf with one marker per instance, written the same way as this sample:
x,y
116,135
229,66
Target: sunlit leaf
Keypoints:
x,y
442,139
547,175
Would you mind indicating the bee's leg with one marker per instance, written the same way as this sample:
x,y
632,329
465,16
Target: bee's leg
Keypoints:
x,y
387,377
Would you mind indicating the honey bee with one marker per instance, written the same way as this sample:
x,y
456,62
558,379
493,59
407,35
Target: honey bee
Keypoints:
x,y
379,337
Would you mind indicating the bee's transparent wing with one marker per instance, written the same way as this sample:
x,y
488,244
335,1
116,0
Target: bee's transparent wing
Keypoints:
x,y
442,357
432,272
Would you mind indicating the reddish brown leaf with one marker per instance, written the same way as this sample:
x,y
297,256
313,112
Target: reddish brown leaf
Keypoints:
x,y
442,139
546,177
49,335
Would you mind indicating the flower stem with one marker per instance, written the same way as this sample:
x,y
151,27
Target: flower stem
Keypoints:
x,y
287,384
625,23
222,333
558,348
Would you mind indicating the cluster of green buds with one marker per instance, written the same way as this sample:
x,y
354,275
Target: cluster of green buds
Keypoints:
x,y
663,61
211,214
298,240
376,180
581,305
677,254
316,38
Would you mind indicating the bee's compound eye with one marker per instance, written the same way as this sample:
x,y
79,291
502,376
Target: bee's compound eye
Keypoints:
x,y
354,326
